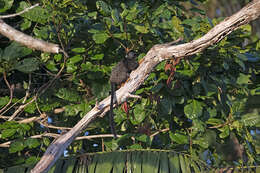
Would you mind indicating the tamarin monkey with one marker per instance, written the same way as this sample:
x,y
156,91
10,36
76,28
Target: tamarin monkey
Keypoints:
x,y
120,73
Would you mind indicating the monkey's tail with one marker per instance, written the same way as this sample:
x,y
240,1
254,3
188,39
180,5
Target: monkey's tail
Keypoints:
x,y
111,116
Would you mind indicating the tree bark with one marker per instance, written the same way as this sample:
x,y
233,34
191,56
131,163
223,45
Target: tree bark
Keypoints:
x,y
155,55
27,40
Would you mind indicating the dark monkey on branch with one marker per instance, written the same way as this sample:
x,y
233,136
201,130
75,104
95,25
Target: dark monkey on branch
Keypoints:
x,y
120,73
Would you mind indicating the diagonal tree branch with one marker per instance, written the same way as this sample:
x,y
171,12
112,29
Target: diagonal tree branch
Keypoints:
x,y
155,55
27,40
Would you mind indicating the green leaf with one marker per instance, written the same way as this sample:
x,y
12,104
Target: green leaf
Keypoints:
x,y
57,57
75,59
136,162
26,24
150,162
142,29
215,121
27,65
115,16
224,132
100,38
4,101
184,164
37,14
135,146
193,110
9,124
93,14
179,138
201,142
79,50
42,32
195,167
5,5
197,126
25,127
71,67
166,106
174,163
31,160
71,110
177,24
243,79
51,66
31,143
46,141
164,165
98,57
14,51
67,94
103,8
250,119
16,146
104,164
87,66
143,138
212,112
139,115
30,108
8,133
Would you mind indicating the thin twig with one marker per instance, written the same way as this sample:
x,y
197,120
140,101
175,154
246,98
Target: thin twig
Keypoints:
x,y
11,89
19,13
156,133
52,126
21,108
54,135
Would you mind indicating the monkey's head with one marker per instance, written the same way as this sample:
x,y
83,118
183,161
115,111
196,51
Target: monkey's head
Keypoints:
x,y
131,55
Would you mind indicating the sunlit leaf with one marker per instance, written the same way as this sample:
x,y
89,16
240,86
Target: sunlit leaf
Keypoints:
x,y
193,110
100,38
179,138
8,133
16,146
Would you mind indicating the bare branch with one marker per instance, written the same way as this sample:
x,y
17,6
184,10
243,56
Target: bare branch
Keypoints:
x,y
19,13
156,133
155,55
21,108
54,135
27,40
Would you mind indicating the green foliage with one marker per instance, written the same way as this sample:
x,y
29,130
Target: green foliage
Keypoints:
x,y
5,5
37,14
212,95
